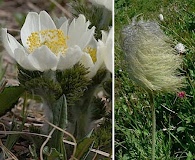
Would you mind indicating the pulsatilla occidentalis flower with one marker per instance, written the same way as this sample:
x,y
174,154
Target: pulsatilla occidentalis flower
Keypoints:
x,y
46,47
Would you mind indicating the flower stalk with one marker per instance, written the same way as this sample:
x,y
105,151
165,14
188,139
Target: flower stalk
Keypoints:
x,y
153,124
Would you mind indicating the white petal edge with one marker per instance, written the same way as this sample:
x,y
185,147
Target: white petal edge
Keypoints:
x,y
104,36
79,28
23,60
31,24
88,63
98,64
45,21
108,59
86,38
6,42
73,55
64,27
14,44
43,59
86,60
10,43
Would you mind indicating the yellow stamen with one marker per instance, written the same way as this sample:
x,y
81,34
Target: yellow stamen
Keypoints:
x,y
54,39
92,52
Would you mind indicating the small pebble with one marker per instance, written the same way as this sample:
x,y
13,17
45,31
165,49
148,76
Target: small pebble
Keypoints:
x,y
161,17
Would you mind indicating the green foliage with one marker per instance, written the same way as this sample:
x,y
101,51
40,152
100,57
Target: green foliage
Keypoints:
x,y
56,147
40,83
99,110
33,152
82,115
36,141
88,109
103,135
59,119
83,148
81,109
13,138
8,97
52,154
2,70
2,73
44,87
73,82
107,85
26,75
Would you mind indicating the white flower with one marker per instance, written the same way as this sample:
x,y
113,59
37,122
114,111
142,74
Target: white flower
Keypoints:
x,y
91,58
180,48
161,17
106,3
98,53
47,47
106,48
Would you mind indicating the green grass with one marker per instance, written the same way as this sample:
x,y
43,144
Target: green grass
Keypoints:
x,y
175,127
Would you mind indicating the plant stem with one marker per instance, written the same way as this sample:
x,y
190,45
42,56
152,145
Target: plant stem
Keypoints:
x,y
153,124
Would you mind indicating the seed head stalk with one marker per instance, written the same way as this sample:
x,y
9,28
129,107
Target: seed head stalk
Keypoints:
x,y
153,124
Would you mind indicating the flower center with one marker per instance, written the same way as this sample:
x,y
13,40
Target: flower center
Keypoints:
x,y
92,52
54,39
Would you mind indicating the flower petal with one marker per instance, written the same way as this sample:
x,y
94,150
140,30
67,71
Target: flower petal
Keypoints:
x,y
45,21
86,38
14,43
98,64
64,28
10,43
78,24
105,48
88,63
43,59
31,24
79,28
86,60
73,55
6,42
108,59
23,60
104,36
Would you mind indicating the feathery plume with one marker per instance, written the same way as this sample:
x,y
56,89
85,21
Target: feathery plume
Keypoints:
x,y
152,62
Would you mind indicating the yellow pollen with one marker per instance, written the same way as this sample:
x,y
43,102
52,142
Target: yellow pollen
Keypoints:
x,y
92,52
54,39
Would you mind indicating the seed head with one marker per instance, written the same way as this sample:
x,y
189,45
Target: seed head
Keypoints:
x,y
152,62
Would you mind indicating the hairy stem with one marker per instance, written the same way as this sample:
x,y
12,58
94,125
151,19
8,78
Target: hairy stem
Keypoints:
x,y
153,125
